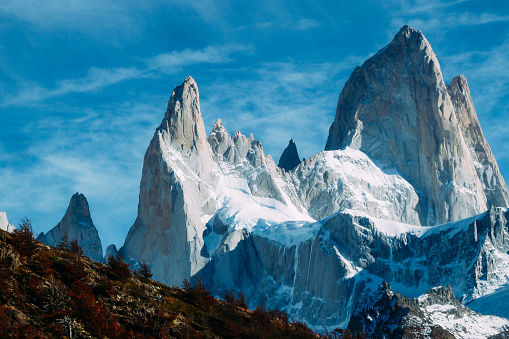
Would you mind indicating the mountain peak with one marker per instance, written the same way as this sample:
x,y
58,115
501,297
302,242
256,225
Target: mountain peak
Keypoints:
x,y
77,225
78,206
289,158
397,109
183,122
406,31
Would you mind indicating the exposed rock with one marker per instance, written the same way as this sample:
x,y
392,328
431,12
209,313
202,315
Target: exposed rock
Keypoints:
x,y
110,250
289,158
396,108
77,224
484,161
175,190
436,314
5,224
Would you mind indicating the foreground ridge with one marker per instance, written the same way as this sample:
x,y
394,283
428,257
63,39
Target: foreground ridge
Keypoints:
x,y
48,293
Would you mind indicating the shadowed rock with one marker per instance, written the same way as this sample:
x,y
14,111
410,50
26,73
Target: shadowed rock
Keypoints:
x,y
289,158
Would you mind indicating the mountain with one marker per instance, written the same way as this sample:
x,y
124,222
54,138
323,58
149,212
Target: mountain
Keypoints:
x,y
77,224
398,110
436,314
5,224
289,158
405,150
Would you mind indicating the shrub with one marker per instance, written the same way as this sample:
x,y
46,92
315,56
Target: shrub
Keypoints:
x,y
117,268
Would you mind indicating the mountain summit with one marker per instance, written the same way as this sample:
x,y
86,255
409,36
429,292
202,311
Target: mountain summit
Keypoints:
x,y
397,109
77,224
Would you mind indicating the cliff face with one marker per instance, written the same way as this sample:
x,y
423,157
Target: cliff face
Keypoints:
x,y
176,183
77,224
397,109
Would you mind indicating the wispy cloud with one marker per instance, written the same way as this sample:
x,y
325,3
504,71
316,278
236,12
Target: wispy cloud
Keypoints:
x,y
97,18
303,24
99,78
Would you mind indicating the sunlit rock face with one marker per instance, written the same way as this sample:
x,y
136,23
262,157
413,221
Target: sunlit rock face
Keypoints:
x,y
5,224
396,108
77,224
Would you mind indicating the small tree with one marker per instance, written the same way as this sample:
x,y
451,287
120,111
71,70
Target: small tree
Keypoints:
x,y
144,270
64,243
203,298
75,248
23,238
241,301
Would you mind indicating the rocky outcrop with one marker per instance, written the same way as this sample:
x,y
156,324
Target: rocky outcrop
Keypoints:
x,y
111,250
5,224
397,109
436,314
77,224
289,158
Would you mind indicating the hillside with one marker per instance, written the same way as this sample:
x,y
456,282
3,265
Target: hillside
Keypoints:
x,y
48,292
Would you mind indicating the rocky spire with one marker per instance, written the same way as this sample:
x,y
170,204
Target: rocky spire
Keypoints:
x,y
76,224
289,158
176,183
396,109
5,224
221,142
488,171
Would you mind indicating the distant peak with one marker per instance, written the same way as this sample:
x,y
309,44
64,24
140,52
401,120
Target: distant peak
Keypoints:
x,y
78,205
407,31
218,123
290,157
189,80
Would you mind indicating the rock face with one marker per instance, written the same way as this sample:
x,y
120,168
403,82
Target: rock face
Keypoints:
x,y
5,224
484,161
397,109
289,158
405,150
76,224
174,192
436,314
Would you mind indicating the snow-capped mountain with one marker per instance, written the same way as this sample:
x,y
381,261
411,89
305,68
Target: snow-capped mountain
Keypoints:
x,y
405,150
397,109
77,224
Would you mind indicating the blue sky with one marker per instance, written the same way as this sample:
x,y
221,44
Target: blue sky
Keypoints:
x,y
83,84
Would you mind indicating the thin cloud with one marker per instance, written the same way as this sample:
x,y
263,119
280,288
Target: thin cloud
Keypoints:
x,y
99,78
413,7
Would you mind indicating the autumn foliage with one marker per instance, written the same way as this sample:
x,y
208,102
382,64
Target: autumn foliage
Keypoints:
x,y
50,292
